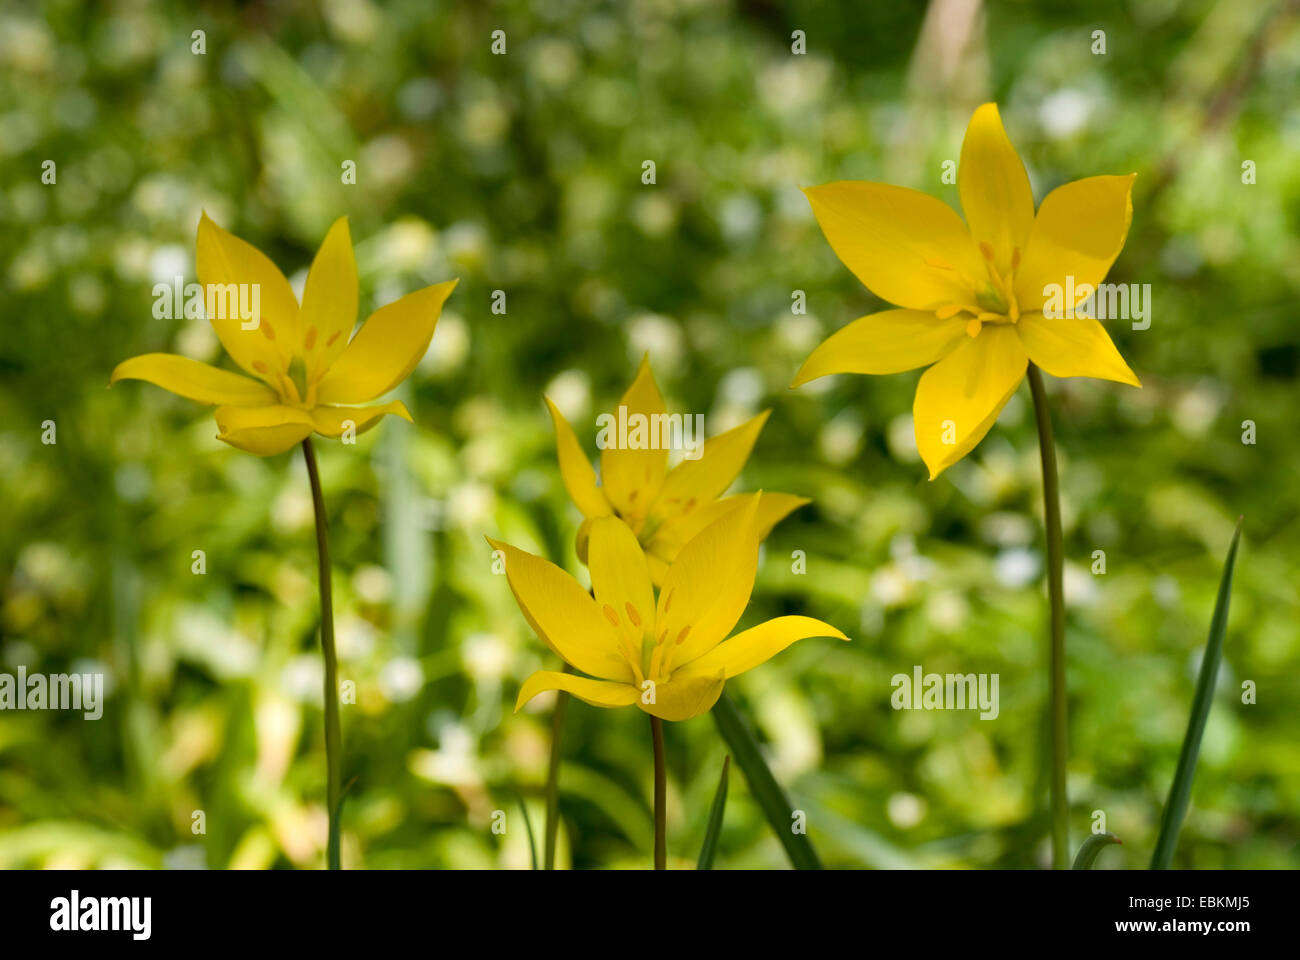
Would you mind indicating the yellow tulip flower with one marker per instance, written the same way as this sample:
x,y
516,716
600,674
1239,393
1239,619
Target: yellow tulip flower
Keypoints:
x,y
664,508
970,295
666,655
307,376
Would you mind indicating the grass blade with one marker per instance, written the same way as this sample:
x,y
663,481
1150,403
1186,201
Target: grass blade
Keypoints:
x,y
1180,793
710,845
1087,854
766,791
528,825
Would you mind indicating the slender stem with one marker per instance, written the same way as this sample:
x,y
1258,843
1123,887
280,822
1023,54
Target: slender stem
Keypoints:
x,y
661,833
333,753
1056,596
553,776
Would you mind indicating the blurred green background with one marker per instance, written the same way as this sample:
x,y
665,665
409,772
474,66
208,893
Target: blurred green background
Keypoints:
x,y
522,173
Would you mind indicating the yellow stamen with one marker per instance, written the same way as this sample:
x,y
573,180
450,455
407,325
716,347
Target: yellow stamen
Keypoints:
x,y
986,248
973,328
611,614
949,310
937,263
632,614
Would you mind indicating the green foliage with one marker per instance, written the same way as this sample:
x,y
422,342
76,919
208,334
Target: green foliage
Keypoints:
x,y
522,173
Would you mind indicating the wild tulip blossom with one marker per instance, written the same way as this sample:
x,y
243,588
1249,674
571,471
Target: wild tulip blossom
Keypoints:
x,y
306,373
970,296
667,654
664,508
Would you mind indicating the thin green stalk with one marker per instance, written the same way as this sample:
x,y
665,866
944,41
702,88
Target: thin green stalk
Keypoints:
x,y
661,832
333,739
553,777
1056,595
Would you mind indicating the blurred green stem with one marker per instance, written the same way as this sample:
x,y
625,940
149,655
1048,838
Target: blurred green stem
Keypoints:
x,y
661,839
1056,595
553,777
332,736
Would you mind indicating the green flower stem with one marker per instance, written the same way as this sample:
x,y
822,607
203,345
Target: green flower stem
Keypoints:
x,y
553,777
333,751
1056,595
661,838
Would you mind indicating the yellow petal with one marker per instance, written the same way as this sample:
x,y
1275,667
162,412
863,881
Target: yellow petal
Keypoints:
x,y
756,645
563,614
223,259
994,188
264,431
598,693
631,478
386,348
708,585
620,579
696,482
1073,347
907,247
329,300
960,397
658,568
575,469
887,342
194,380
1079,231
682,699
674,534
332,421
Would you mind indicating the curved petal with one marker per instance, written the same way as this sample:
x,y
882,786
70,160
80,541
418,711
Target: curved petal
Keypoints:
x,y
890,341
621,580
1079,231
194,380
1073,347
708,585
329,300
264,431
223,259
563,614
905,246
631,476
699,481
682,699
386,348
331,421
756,645
994,188
960,397
672,535
598,693
575,469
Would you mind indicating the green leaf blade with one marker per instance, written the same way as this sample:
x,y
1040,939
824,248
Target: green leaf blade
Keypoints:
x,y
1180,792
1091,847
710,846
767,793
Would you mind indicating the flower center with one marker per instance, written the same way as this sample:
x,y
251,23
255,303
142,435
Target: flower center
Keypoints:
x,y
994,302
